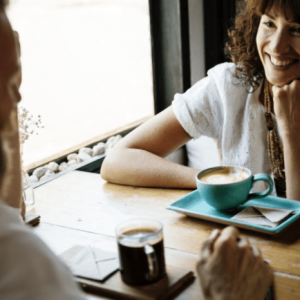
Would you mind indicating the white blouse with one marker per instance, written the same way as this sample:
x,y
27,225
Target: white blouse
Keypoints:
x,y
219,107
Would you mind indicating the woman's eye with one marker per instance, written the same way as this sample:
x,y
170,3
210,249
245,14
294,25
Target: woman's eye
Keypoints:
x,y
296,30
268,24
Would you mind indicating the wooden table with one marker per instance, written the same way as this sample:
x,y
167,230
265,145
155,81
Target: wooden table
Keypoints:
x,y
81,208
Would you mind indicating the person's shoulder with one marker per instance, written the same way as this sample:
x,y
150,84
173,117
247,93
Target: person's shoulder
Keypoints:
x,y
222,71
219,81
226,82
9,215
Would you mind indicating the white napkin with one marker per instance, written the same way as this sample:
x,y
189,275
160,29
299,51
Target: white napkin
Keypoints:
x,y
265,216
94,263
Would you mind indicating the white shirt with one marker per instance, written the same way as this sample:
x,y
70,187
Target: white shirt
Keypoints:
x,y
219,107
28,268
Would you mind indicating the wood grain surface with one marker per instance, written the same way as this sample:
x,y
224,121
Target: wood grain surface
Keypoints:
x,y
175,280
81,208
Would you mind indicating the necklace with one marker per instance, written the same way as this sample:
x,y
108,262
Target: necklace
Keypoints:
x,y
275,150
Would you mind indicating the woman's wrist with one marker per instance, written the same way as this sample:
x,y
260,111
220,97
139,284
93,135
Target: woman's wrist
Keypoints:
x,y
291,138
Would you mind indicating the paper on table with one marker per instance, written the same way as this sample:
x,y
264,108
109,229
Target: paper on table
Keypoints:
x,y
94,263
265,216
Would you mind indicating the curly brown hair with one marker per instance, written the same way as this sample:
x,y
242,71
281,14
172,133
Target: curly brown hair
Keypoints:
x,y
241,46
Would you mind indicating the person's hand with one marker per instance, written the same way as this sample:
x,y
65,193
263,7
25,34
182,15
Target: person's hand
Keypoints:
x,y
287,108
230,268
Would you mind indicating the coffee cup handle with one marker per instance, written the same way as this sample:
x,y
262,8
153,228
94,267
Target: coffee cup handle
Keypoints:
x,y
261,177
152,262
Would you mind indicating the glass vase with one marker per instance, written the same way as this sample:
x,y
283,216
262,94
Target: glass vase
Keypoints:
x,y
28,192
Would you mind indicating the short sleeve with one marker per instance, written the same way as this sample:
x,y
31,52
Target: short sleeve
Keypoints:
x,y
200,110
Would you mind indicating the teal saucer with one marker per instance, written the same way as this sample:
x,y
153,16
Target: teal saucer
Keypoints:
x,y
193,205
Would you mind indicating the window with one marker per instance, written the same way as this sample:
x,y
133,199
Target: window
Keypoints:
x,y
87,70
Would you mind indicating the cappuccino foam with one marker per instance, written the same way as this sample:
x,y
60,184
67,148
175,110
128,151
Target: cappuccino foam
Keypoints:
x,y
224,175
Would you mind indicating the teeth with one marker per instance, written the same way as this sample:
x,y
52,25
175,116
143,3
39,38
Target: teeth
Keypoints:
x,y
280,63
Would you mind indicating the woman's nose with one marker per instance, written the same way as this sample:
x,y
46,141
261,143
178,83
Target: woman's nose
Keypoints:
x,y
279,42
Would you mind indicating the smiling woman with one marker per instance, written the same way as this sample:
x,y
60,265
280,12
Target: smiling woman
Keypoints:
x,y
278,43
248,35
250,107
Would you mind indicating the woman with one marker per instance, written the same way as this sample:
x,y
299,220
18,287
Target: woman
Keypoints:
x,y
230,105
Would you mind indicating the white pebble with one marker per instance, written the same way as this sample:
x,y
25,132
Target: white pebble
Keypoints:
x,y
72,156
83,156
63,166
101,144
109,140
53,166
97,150
72,162
109,144
49,173
39,172
118,138
115,140
43,177
89,151
33,178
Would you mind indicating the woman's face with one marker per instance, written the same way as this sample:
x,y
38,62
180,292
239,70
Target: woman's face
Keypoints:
x,y
278,44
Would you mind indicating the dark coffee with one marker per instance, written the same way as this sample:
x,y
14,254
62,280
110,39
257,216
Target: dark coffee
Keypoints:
x,y
134,265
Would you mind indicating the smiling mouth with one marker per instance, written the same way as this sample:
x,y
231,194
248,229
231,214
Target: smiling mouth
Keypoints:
x,y
282,63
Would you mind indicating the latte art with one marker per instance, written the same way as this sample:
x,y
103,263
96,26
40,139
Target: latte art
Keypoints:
x,y
227,187
225,175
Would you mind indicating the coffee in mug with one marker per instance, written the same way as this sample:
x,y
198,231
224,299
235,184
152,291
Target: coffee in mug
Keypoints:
x,y
224,175
141,251
226,187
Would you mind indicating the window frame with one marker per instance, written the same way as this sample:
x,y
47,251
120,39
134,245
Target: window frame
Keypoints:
x,y
169,30
181,32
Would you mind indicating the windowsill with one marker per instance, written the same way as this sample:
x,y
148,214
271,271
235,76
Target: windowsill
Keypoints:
x,y
88,166
62,156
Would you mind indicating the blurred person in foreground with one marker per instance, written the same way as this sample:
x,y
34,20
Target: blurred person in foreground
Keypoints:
x,y
28,268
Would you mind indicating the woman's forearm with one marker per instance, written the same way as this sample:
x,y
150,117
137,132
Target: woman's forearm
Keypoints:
x,y
292,167
141,168
287,110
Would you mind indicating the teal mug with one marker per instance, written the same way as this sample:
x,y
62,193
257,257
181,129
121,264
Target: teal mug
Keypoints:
x,y
226,187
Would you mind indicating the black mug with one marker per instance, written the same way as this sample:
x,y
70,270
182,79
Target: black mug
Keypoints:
x,y
141,251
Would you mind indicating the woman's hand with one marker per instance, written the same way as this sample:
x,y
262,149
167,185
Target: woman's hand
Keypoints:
x,y
230,268
287,108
